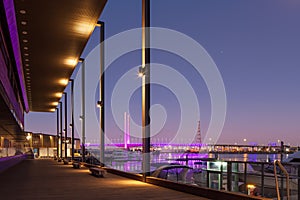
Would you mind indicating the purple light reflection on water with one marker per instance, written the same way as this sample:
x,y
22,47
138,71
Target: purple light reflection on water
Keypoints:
x,y
121,145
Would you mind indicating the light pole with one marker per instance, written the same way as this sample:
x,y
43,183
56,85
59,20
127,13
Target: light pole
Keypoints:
x,y
101,92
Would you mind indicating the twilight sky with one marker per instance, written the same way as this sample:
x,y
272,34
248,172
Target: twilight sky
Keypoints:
x,y
255,46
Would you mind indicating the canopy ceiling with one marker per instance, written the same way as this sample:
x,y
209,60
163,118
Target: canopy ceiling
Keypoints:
x,y
52,36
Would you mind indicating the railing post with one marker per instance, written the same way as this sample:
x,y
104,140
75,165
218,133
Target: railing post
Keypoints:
x,y
221,177
298,181
245,178
262,179
229,175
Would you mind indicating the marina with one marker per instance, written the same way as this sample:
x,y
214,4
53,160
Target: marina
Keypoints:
x,y
247,173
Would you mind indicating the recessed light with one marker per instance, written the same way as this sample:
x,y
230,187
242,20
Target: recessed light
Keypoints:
x,y
25,40
63,81
54,103
26,48
27,65
26,60
23,12
27,69
23,22
24,32
26,54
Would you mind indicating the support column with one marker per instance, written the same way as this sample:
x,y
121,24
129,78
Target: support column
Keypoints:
x,y
83,108
66,124
146,86
60,109
72,117
101,93
57,133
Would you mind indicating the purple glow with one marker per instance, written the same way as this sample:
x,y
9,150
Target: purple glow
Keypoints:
x,y
121,145
12,25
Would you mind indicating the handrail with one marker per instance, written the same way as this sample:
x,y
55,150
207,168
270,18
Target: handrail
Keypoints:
x,y
277,162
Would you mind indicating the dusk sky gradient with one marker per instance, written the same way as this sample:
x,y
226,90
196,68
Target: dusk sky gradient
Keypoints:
x,y
255,45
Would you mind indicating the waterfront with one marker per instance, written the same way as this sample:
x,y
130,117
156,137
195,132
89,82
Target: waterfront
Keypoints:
x,y
231,172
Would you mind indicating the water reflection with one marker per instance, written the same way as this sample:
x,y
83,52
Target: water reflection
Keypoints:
x,y
131,161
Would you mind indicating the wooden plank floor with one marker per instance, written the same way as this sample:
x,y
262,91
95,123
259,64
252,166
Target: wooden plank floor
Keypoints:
x,y
47,179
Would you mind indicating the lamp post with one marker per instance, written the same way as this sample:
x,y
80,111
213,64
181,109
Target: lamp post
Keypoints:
x,y
72,117
66,129
145,69
101,92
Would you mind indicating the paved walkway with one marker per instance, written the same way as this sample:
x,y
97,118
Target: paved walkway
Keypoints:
x,y
47,179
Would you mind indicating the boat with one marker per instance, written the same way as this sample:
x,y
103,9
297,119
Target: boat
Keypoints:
x,y
293,158
173,172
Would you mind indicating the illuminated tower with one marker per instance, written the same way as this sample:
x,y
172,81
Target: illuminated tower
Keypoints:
x,y
199,141
126,130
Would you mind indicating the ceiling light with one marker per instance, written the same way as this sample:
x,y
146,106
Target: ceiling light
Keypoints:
x,y
26,48
27,65
23,22
52,109
24,32
83,28
23,11
58,94
26,59
26,54
71,61
25,40
54,103
63,81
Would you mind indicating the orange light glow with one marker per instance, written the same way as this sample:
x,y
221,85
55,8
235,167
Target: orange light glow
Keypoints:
x,y
63,81
250,186
131,182
54,103
83,28
58,94
71,61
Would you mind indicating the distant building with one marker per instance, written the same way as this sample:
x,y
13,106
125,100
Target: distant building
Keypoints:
x,y
44,145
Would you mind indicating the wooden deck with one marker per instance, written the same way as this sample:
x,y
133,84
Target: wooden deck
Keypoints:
x,y
47,179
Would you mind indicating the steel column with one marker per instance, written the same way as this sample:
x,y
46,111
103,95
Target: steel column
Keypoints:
x,y
146,87
72,117
83,108
66,124
101,93
60,104
57,133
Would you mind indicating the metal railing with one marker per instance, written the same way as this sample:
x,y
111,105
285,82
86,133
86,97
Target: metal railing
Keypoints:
x,y
277,162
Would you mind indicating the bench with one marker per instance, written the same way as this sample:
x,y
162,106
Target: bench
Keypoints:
x,y
96,171
76,165
66,161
